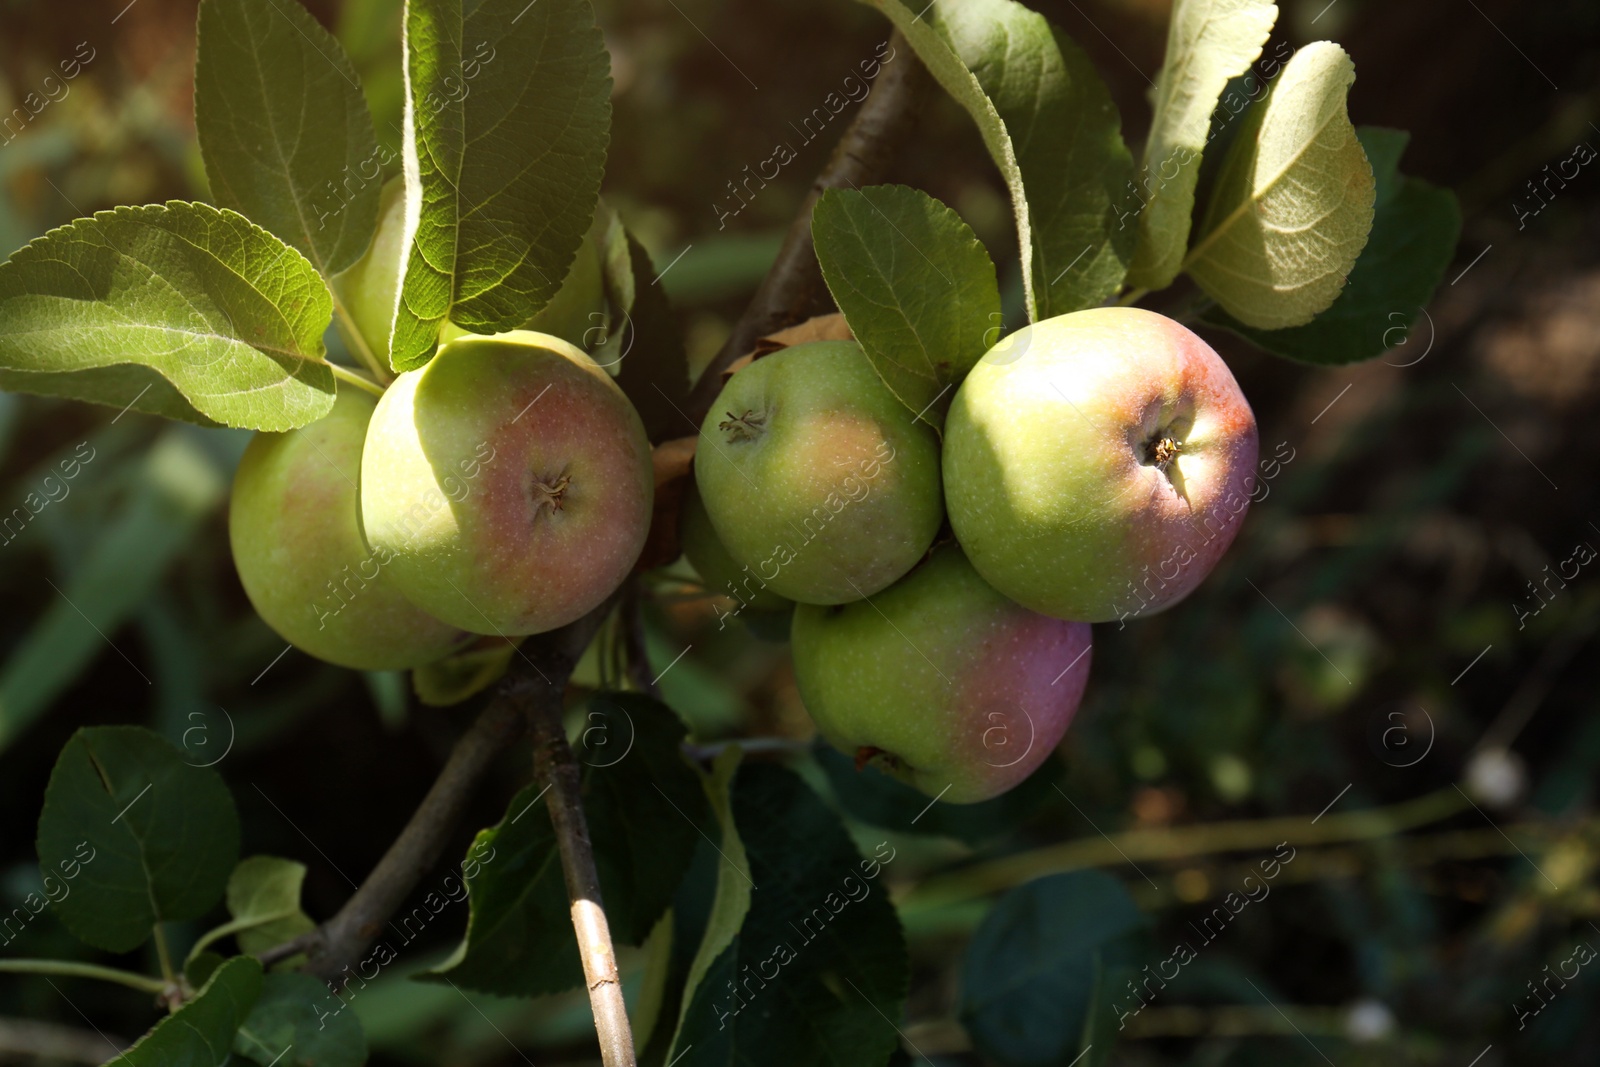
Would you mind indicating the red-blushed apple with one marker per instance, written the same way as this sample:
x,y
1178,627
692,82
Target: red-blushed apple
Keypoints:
x,y
1097,465
940,681
510,479
816,477
724,577
294,525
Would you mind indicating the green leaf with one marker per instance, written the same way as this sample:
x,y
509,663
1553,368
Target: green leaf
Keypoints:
x,y
508,119
818,971
201,1033
731,901
1075,165
175,309
644,807
875,798
645,348
290,1026
160,835
937,53
1050,126
1208,42
1415,227
653,985
284,129
264,892
1030,977
915,284
1294,200
174,487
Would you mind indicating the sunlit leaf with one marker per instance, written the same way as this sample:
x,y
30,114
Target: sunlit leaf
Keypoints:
x,y
1050,126
1208,42
1294,200
508,117
1415,227
177,309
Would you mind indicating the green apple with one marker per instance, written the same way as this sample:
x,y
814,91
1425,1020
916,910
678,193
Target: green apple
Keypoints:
x,y
723,575
368,288
940,681
294,525
1097,465
510,479
816,477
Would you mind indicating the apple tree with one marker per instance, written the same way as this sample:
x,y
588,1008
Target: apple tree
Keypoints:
x,y
476,437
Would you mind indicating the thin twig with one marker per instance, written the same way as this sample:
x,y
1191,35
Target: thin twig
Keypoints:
x,y
792,290
340,942
635,655
540,695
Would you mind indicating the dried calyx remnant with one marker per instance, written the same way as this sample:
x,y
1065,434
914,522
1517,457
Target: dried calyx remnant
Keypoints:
x,y
870,753
549,495
1161,450
744,427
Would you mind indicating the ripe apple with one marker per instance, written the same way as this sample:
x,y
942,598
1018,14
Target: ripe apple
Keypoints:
x,y
722,574
511,480
1098,464
940,681
295,529
816,477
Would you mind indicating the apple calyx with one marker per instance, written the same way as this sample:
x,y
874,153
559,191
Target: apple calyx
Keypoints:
x,y
550,494
869,753
1161,450
744,427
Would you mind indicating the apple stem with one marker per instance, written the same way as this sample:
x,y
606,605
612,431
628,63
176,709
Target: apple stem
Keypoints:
x,y
357,379
358,344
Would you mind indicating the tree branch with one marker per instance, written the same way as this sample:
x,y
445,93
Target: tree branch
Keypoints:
x,y
557,771
792,290
341,941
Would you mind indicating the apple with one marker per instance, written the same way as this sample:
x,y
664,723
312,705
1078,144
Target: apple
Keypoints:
x,y
940,681
816,477
368,287
722,574
510,479
294,526
1097,465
